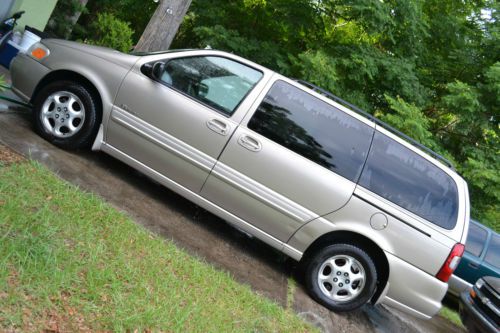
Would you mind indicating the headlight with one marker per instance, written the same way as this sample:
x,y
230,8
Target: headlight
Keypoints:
x,y
479,283
38,51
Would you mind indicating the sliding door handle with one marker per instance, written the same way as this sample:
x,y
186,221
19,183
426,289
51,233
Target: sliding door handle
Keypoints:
x,y
249,143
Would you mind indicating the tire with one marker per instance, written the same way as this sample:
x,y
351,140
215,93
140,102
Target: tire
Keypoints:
x,y
342,277
66,114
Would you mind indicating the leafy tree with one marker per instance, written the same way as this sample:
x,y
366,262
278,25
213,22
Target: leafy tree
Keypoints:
x,y
109,31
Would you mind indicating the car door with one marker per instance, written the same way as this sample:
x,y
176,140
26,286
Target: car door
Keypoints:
x,y
491,263
177,120
469,268
293,158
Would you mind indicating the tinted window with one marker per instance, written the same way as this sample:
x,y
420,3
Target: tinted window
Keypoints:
x,y
475,240
493,253
313,129
410,181
218,82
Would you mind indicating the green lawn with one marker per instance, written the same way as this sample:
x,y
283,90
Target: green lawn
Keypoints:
x,y
451,315
69,261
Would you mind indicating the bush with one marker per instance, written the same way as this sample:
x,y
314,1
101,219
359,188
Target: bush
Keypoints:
x,y
109,31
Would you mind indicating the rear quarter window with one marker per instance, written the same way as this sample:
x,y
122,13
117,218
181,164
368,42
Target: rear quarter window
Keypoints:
x,y
493,253
400,175
475,240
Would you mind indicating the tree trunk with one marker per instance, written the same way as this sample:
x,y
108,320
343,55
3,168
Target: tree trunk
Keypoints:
x,y
163,26
73,19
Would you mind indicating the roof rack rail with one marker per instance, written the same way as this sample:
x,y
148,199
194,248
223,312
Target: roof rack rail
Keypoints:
x,y
376,121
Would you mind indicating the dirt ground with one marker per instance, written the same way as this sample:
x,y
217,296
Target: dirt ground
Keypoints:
x,y
8,156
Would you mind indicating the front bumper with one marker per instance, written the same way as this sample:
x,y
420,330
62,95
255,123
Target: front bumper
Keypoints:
x,y
26,73
472,317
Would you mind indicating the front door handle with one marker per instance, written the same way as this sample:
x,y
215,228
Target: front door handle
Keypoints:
x,y
218,126
473,265
249,143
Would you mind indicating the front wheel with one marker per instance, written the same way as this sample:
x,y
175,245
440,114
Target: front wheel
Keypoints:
x,y
342,277
65,113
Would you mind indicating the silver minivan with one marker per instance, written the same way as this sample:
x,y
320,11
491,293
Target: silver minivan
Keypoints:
x,y
371,215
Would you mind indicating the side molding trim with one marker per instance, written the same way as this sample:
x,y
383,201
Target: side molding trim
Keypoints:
x,y
162,139
202,202
262,193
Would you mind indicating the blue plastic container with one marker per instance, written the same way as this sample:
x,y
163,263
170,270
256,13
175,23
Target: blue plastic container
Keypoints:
x,y
7,53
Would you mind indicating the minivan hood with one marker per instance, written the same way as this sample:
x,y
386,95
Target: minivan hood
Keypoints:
x,y
114,56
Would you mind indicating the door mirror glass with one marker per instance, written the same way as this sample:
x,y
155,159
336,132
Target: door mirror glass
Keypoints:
x,y
157,70
154,70
202,89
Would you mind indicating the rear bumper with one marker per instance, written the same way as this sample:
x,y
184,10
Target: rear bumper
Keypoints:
x,y
472,318
26,73
413,291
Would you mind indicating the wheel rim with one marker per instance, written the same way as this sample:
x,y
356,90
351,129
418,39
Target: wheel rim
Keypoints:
x,y
63,114
341,278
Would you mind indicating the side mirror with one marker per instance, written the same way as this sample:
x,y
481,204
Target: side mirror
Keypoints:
x,y
158,69
154,71
202,89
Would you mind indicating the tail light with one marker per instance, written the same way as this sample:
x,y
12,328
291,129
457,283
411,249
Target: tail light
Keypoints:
x,y
451,262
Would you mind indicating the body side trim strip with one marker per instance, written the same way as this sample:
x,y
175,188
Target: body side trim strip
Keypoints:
x,y
162,139
262,193
202,202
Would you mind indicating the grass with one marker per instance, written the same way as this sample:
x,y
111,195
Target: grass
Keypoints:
x,y
70,262
451,315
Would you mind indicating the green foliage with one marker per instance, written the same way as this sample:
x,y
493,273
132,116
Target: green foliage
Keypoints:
x,y
410,120
317,66
109,31
451,315
136,12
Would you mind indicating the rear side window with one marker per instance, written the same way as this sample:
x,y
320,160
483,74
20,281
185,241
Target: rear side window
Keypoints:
x,y
493,253
475,240
410,181
218,82
314,129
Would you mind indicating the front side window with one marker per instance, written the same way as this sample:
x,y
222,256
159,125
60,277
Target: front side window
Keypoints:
x,y
400,175
314,129
493,254
218,82
475,240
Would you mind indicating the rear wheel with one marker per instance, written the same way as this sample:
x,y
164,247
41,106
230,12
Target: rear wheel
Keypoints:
x,y
65,113
342,277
